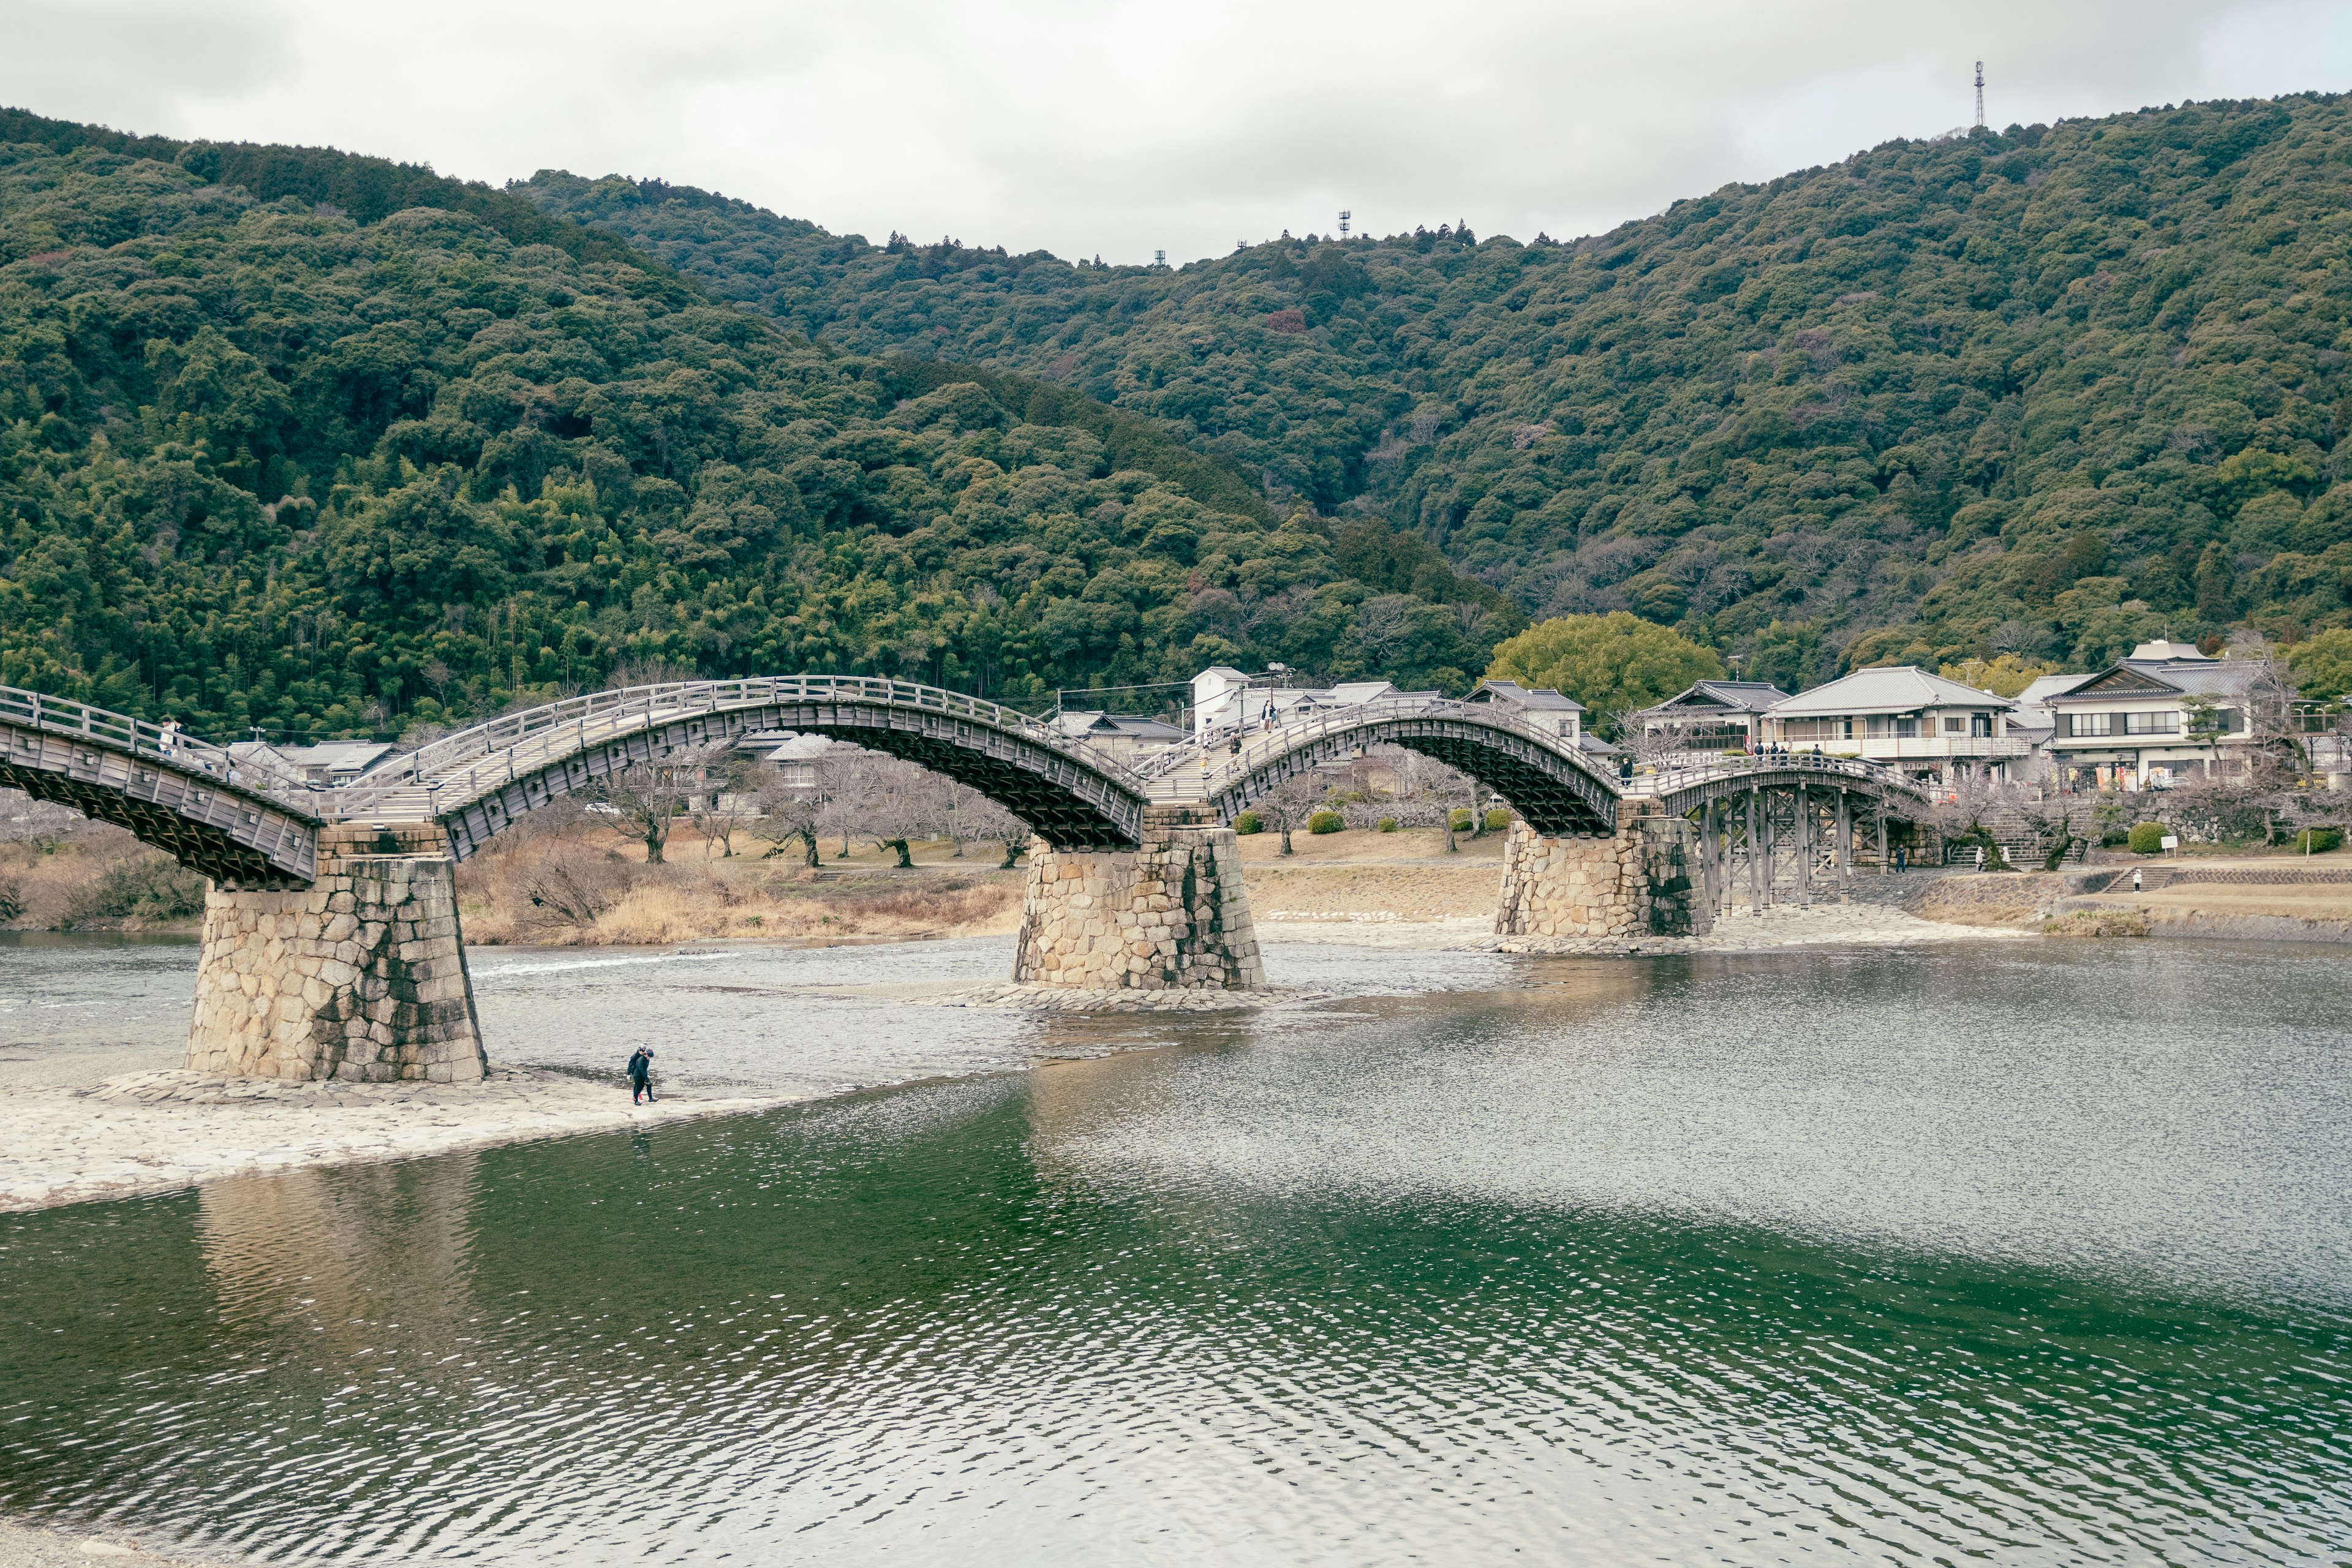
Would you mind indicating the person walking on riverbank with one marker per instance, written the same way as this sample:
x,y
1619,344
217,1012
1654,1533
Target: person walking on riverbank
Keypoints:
x,y
641,1076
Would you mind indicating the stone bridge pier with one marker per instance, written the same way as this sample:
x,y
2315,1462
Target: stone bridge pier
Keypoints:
x,y
1169,915
1634,882
361,975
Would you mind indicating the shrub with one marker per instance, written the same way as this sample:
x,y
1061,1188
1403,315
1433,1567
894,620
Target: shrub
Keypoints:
x,y
2311,841
1326,822
2147,838
1247,821
2114,838
144,887
1387,824
12,900
1460,818
1499,820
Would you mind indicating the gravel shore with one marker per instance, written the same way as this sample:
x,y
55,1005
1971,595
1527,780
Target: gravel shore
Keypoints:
x,y
151,1132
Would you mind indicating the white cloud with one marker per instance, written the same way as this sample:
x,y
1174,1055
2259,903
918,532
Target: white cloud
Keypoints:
x,y
1118,126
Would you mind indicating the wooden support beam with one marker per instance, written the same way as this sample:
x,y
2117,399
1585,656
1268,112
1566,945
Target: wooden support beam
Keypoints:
x,y
1759,876
1844,846
1805,845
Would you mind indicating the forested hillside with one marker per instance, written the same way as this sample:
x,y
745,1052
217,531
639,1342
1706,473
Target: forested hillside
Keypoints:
x,y
323,444
2043,392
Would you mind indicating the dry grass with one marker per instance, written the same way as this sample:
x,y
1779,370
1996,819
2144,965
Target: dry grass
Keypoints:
x,y
1992,899
1363,846
51,887
581,888
2097,923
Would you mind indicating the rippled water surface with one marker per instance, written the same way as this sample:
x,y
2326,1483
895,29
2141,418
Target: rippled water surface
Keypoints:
x,y
2011,1253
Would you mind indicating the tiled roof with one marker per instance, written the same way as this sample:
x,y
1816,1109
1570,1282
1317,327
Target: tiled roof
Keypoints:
x,y
2218,677
1740,696
1890,688
1542,698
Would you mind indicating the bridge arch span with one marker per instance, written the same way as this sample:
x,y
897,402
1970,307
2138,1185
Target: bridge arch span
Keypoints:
x,y
1555,786
183,795
1679,791
482,780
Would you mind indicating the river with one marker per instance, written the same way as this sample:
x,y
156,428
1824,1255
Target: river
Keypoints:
x,y
2027,1251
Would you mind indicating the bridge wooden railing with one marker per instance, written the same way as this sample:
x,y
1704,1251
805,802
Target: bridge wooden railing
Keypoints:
x,y
1179,772
144,738
460,767
1673,780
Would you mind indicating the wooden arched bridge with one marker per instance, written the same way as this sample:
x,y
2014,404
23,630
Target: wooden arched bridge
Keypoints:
x,y
249,825
1135,883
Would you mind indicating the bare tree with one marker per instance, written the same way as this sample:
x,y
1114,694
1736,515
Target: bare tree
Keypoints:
x,y
724,802
787,811
1649,747
43,825
848,773
986,820
901,803
1288,804
648,798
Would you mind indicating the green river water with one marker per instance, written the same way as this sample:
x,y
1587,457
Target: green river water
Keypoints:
x,y
2006,1252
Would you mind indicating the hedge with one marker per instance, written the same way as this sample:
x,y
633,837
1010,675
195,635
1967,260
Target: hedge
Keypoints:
x,y
2148,839
1326,822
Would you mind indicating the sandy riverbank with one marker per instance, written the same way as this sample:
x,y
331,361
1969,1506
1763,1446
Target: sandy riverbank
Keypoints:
x,y
31,1546
155,1130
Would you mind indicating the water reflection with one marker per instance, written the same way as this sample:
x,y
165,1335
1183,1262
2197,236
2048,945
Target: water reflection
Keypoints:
x,y
1714,1260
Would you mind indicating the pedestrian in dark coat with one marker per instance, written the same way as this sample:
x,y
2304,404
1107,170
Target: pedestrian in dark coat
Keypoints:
x,y
641,1076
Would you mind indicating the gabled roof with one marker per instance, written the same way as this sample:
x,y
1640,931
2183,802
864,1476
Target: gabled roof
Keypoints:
x,y
336,756
1511,694
2165,677
1105,726
1885,688
2122,680
2042,688
1739,695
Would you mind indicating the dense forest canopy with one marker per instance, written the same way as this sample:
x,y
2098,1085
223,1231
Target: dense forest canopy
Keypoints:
x,y
2039,392
267,460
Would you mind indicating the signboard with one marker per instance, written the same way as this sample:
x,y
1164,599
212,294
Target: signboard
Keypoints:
x,y
2171,841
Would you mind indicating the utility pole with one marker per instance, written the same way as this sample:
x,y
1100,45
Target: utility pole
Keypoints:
x,y
1981,95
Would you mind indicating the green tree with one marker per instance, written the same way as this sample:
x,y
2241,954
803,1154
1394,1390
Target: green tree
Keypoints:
x,y
2322,665
1614,664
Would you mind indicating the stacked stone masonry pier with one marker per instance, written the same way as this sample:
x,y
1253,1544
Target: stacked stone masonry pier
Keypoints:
x,y
1171,915
1634,882
360,976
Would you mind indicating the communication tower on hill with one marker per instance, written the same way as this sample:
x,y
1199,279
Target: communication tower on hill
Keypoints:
x,y
1344,217
1159,259
1981,95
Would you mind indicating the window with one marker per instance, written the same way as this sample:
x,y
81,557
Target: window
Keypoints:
x,y
1980,726
2151,723
2090,724
1817,729
1954,725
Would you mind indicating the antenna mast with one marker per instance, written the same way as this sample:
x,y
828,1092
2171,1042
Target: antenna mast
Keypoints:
x,y
1344,218
1981,95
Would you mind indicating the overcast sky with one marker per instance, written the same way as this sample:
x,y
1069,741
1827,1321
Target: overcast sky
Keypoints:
x,y
1118,126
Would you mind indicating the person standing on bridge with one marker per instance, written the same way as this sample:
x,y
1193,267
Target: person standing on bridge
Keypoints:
x,y
641,1076
1265,720
167,736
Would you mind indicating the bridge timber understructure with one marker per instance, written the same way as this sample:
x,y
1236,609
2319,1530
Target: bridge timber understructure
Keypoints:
x,y
331,945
